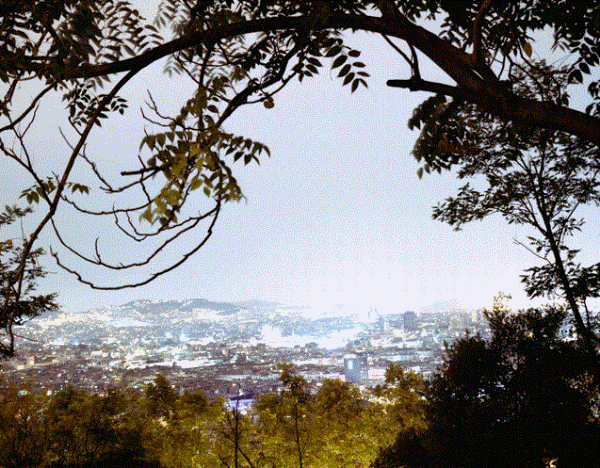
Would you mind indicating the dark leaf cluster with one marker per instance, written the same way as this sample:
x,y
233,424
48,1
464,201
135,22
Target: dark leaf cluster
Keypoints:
x,y
521,398
535,178
18,301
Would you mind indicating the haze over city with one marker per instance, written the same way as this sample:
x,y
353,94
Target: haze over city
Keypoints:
x,y
336,215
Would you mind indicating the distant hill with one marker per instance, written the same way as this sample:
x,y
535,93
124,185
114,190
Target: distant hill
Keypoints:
x,y
147,306
258,304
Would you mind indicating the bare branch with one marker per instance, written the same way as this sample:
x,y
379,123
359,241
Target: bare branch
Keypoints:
x,y
63,182
417,84
153,276
33,105
533,252
401,52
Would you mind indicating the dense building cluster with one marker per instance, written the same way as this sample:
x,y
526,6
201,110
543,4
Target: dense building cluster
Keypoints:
x,y
223,348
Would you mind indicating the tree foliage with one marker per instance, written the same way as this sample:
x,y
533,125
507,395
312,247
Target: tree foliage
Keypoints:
x,y
403,393
521,398
236,53
70,429
18,301
336,425
161,397
537,178
22,415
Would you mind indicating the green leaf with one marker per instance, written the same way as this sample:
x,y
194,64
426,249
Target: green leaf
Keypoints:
x,y
333,51
348,79
147,215
339,61
80,188
584,68
576,76
195,151
195,183
344,71
148,140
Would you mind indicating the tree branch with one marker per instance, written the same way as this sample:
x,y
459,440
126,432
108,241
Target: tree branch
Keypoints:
x,y
65,177
482,86
417,84
477,27
153,276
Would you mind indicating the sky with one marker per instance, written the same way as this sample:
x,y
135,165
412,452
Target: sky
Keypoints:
x,y
337,214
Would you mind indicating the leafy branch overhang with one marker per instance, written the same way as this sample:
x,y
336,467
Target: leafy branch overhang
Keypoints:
x,y
475,81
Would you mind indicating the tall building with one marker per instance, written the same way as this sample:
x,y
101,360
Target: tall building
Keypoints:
x,y
356,368
409,320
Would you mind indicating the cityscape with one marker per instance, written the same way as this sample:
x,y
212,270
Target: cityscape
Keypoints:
x,y
227,348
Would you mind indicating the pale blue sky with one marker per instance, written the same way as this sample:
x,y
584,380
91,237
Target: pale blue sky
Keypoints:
x,y
336,215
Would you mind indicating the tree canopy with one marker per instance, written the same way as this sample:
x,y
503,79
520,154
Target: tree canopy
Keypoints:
x,y
537,178
19,303
338,425
242,52
522,397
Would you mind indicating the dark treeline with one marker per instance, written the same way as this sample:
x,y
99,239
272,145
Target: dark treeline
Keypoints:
x,y
524,398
